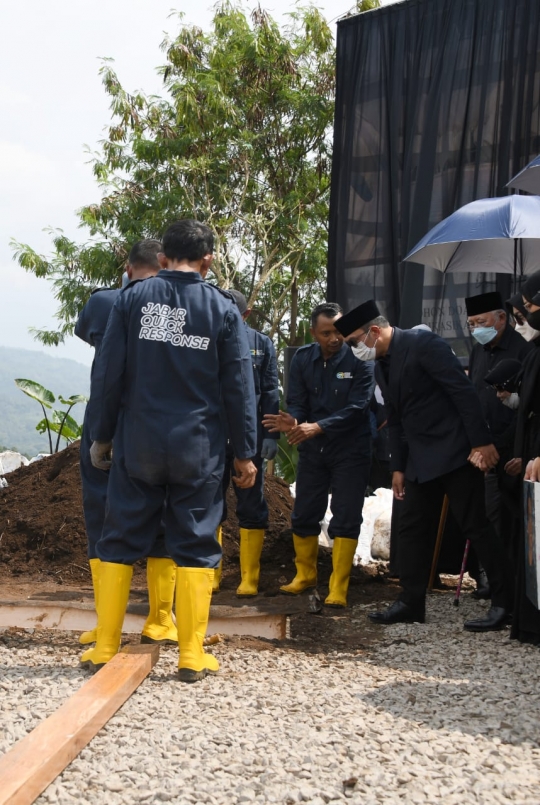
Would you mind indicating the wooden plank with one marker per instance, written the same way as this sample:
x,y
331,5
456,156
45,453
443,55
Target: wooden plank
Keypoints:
x,y
36,760
257,621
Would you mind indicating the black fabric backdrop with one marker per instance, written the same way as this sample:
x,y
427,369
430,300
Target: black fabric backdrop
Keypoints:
x,y
437,105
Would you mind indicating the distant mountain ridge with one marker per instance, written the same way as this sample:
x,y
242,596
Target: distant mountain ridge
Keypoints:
x,y
19,414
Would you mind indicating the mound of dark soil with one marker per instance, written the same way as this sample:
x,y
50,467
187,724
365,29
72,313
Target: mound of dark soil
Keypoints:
x,y
42,530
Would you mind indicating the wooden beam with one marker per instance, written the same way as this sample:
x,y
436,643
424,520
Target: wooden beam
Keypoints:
x,y
36,760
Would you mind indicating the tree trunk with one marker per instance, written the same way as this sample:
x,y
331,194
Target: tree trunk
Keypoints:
x,y
294,313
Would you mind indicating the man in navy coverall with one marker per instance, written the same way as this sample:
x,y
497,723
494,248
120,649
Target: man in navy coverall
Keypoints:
x,y
174,359
161,570
251,506
328,418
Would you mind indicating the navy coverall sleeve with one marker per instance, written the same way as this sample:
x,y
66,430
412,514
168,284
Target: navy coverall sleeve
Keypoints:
x,y
442,365
84,328
237,386
297,392
108,378
269,403
360,395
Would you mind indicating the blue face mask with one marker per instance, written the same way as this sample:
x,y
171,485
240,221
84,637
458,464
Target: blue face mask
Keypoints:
x,y
484,334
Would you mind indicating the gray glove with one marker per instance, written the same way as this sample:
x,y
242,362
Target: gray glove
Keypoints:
x,y
269,449
100,455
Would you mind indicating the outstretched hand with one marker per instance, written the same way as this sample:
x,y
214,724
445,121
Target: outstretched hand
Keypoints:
x,y
279,423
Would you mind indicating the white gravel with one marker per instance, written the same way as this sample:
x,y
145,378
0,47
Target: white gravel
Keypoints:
x,y
431,714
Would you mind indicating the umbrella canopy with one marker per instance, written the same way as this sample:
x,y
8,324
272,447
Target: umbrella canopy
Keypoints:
x,y
500,235
528,179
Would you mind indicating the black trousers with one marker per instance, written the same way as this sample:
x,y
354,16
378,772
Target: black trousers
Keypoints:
x,y
422,504
342,472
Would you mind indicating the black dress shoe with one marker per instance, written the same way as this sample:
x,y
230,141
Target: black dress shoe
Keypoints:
x,y
494,620
399,612
482,593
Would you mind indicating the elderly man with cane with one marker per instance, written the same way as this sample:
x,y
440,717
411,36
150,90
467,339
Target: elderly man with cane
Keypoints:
x,y
436,424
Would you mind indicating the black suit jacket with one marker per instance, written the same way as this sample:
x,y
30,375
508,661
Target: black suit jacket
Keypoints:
x,y
434,412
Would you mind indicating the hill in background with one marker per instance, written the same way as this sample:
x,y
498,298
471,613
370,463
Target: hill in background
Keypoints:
x,y
19,414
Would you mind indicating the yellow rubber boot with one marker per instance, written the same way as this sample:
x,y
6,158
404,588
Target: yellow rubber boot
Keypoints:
x,y
114,584
217,572
342,559
161,580
306,551
251,544
90,637
193,596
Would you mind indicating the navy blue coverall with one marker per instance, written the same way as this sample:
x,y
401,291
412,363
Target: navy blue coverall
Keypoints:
x,y
174,360
90,327
336,394
251,506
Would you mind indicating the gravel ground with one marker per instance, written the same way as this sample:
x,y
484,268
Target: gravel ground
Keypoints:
x,y
429,714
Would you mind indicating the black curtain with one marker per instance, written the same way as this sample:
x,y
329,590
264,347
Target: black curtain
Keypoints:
x,y
437,105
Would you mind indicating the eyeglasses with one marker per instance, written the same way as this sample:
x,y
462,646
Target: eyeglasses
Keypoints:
x,y
471,326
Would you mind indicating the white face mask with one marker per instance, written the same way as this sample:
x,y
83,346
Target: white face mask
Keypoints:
x,y
528,332
363,352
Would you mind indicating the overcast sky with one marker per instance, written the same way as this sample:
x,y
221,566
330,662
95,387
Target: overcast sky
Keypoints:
x,y
53,105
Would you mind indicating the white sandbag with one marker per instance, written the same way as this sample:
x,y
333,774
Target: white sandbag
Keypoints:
x,y
10,460
39,457
380,541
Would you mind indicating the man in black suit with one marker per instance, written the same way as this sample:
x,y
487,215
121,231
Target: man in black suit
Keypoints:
x,y
436,423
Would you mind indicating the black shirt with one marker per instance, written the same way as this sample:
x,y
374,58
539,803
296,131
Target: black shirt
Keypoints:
x,y
483,359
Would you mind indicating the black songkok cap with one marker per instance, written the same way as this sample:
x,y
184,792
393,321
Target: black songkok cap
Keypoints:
x,y
484,303
516,301
357,318
504,373
531,288
240,300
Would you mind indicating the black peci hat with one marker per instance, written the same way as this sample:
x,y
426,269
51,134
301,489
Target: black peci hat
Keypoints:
x,y
484,303
361,315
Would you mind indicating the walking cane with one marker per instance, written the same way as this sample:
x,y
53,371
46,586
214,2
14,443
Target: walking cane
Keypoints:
x,y
438,543
462,573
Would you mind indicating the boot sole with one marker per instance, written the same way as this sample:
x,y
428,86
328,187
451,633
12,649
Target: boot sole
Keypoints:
x,y
190,676
247,595
92,667
290,592
151,641
335,606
